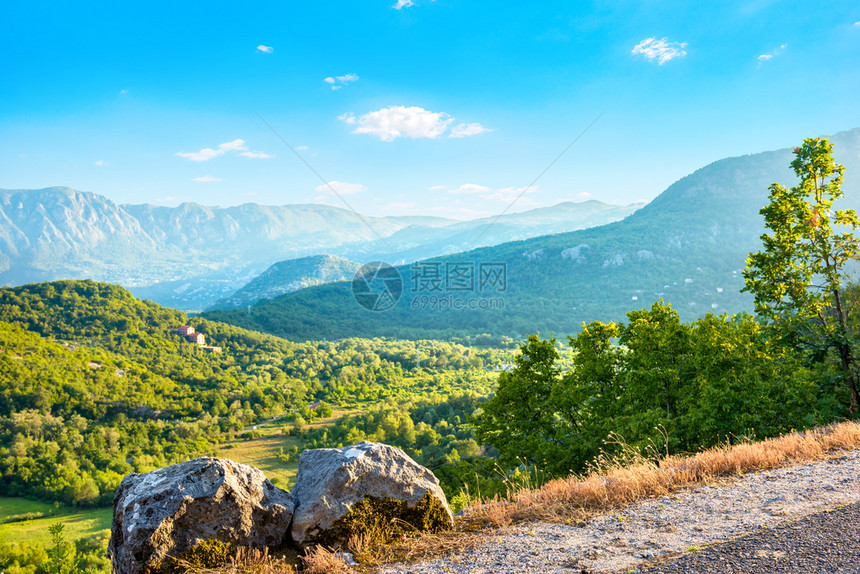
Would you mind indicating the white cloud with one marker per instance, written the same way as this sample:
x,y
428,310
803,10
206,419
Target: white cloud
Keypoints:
x,y
661,50
341,187
409,121
123,92
208,153
403,4
400,121
255,154
207,179
772,54
265,49
471,188
584,195
301,147
438,187
857,23
100,162
464,130
337,82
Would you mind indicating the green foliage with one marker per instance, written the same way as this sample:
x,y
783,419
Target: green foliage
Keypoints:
x,y
57,554
517,420
61,556
663,383
800,277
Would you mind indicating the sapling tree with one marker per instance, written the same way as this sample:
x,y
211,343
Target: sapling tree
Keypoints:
x,y
799,279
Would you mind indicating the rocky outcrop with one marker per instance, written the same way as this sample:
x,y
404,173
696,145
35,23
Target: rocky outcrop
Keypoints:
x,y
364,488
164,513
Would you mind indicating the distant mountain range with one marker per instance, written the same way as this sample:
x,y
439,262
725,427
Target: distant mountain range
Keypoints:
x,y
688,247
192,255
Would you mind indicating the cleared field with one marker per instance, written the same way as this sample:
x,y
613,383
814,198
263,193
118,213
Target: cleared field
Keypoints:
x,y
262,452
10,508
79,523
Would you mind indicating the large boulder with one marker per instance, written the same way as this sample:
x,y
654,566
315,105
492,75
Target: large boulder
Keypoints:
x,y
166,512
367,488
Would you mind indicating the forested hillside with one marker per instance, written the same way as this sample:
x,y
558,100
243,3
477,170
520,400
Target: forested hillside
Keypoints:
x,y
95,385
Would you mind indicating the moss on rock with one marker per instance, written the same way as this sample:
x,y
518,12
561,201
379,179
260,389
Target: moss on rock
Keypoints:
x,y
204,554
380,520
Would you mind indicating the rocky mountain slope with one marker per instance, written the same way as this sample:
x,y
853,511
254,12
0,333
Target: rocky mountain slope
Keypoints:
x,y
192,255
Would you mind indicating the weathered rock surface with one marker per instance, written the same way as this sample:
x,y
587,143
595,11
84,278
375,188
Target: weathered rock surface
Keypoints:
x,y
332,480
167,511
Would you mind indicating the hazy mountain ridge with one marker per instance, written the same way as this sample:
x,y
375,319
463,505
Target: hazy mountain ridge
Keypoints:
x,y
288,276
688,246
191,255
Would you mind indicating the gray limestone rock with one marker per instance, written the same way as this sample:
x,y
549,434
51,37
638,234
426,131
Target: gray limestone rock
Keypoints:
x,y
167,511
332,480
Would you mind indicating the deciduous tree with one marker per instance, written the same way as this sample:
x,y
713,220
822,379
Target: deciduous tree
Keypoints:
x,y
799,278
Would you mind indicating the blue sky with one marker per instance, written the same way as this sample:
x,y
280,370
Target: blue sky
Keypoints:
x,y
438,107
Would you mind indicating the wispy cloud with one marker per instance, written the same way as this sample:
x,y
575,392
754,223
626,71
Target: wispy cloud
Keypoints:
x,y
341,187
661,50
772,54
265,49
100,162
301,147
413,122
208,153
465,130
337,82
255,154
438,187
403,4
123,92
207,179
471,188
584,195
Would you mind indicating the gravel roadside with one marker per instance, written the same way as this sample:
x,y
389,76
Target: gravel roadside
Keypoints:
x,y
823,542
681,523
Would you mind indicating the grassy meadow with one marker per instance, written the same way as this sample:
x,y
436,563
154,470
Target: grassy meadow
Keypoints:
x,y
79,522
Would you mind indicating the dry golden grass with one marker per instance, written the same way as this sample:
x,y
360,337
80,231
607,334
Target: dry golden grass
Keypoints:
x,y
619,480
244,561
322,560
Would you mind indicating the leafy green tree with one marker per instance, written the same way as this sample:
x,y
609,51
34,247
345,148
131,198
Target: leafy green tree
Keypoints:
x,y
517,419
799,279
